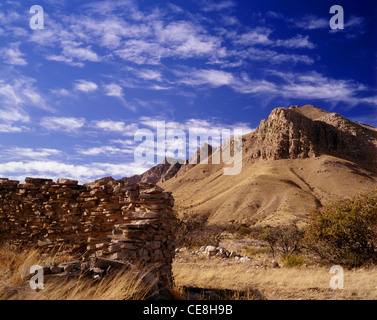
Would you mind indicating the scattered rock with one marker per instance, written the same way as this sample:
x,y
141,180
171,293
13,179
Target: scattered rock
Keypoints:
x,y
245,259
210,251
54,268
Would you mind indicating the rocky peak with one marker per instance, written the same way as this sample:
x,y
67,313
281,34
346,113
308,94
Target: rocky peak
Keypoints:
x,y
289,133
205,148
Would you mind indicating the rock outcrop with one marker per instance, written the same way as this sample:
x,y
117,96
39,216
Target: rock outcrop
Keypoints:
x,y
288,134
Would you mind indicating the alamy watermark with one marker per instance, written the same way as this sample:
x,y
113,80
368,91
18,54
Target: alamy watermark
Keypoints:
x,y
337,21
37,280
337,281
37,20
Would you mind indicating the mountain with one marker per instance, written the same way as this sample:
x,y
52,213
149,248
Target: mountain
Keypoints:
x,y
157,174
295,161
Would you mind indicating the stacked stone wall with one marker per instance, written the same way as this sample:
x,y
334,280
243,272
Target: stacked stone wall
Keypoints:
x,y
106,218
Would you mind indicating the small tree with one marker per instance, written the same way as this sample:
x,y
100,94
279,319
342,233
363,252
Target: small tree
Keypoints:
x,y
345,232
283,239
194,230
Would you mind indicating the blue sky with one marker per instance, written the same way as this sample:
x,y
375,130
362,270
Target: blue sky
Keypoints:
x,y
73,95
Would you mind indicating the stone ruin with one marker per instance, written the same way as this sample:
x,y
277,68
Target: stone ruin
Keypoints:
x,y
107,218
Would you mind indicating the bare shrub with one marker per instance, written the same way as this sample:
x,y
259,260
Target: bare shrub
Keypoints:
x,y
284,240
193,230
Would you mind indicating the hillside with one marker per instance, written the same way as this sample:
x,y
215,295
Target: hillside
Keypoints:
x,y
295,161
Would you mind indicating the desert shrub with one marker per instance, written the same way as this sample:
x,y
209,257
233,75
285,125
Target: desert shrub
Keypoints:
x,y
253,252
242,230
293,261
193,230
345,232
284,240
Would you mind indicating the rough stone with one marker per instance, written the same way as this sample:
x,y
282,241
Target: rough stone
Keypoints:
x,y
91,218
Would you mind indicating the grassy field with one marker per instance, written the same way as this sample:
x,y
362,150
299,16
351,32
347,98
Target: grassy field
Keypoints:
x,y
307,282
299,283
14,266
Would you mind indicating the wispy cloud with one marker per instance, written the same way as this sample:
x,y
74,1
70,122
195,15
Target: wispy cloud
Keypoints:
x,y
298,41
31,153
353,25
215,78
65,124
12,55
85,86
10,128
21,92
119,127
314,85
19,95
75,55
57,169
208,6
105,150
114,90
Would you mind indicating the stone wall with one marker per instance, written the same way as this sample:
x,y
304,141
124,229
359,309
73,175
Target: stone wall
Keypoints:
x,y
106,218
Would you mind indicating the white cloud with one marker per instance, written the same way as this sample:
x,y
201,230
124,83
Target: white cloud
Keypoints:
x,y
354,25
56,169
105,150
9,128
61,58
32,153
85,86
66,124
297,42
179,39
142,52
217,5
256,36
116,126
13,115
314,85
12,55
18,96
80,53
21,92
311,22
114,90
215,78
74,54
148,74
354,22
261,36
198,125
273,57
60,92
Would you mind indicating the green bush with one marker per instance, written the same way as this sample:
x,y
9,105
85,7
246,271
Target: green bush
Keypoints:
x,y
345,232
294,261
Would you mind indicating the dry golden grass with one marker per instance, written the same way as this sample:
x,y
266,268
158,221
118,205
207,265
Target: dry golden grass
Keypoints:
x,y
14,262
281,283
126,285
